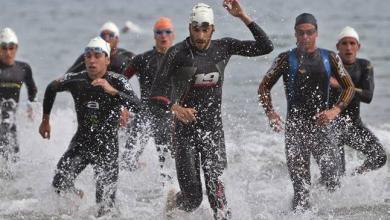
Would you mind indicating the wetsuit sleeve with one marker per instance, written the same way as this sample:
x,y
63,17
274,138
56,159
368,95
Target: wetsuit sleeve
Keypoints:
x,y
366,90
128,57
134,65
344,79
127,96
129,54
262,44
78,66
55,86
31,87
162,86
279,66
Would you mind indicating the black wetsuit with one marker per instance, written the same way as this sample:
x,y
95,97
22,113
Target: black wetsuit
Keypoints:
x,y
11,80
353,133
158,125
194,78
96,138
307,94
118,62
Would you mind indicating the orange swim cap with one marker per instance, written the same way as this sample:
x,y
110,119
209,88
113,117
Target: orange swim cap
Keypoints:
x,y
163,23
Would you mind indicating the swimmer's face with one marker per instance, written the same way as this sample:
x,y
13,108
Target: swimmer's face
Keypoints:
x,y
348,48
306,35
110,38
164,38
96,63
8,53
201,35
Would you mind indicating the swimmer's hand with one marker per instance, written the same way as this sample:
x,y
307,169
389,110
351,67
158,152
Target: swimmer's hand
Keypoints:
x,y
235,9
183,114
324,117
275,121
44,128
105,85
334,83
124,117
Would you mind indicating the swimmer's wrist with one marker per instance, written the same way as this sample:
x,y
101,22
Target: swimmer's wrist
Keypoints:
x,y
114,92
246,19
337,108
269,112
173,107
45,118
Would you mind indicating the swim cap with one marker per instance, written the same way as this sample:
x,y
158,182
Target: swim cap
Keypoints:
x,y
202,13
348,32
7,35
97,43
110,26
163,23
305,18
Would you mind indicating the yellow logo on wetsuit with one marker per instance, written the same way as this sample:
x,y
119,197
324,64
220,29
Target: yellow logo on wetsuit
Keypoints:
x,y
10,85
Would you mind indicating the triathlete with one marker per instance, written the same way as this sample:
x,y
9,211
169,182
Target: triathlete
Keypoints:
x,y
189,83
306,71
12,76
98,95
145,124
353,132
119,58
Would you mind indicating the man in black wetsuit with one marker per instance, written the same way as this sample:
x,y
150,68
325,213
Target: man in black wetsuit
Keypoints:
x,y
12,76
353,132
119,58
189,83
146,124
98,95
306,71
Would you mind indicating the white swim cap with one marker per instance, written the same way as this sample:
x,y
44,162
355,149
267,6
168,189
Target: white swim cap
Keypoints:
x,y
202,14
348,32
97,44
110,26
7,35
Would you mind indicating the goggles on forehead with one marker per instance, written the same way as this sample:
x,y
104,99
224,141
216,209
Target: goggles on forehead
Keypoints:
x,y
5,46
201,6
200,24
163,31
94,50
109,34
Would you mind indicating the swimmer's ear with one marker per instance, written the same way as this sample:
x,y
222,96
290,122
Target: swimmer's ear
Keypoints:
x,y
108,60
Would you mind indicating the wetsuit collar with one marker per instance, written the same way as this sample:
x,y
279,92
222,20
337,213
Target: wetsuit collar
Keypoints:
x,y
155,49
306,54
301,51
347,65
103,76
6,65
